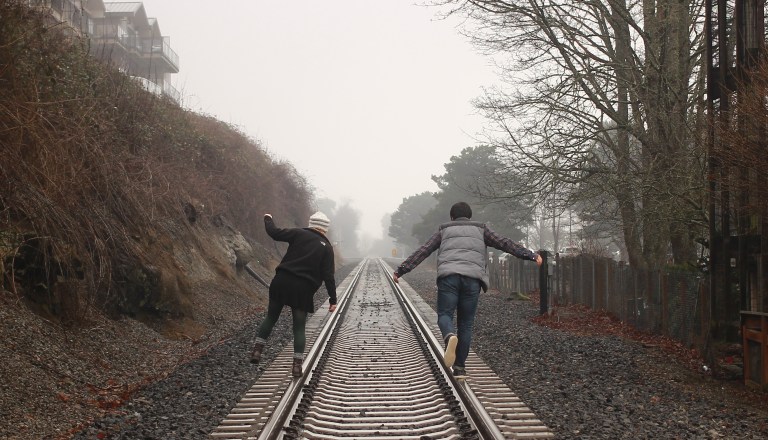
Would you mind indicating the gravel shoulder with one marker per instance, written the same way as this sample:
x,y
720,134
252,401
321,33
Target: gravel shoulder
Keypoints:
x,y
607,386
121,380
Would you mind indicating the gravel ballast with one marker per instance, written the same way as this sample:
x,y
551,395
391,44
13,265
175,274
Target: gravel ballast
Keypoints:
x,y
582,387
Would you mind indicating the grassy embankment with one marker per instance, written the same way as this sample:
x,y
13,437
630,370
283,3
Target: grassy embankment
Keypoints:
x,y
103,185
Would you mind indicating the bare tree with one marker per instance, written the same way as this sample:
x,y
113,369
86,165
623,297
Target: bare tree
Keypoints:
x,y
602,97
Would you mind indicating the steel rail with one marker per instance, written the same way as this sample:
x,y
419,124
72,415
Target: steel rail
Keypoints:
x,y
375,370
479,417
288,403
477,420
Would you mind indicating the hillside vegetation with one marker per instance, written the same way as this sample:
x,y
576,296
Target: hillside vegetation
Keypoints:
x,y
113,199
125,223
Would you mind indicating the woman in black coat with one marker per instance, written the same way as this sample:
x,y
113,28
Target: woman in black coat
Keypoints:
x,y
307,263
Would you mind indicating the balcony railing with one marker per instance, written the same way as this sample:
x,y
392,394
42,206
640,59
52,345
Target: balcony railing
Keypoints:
x,y
164,90
144,47
148,85
163,47
171,92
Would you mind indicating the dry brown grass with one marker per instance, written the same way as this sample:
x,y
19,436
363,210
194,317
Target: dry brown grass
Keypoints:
x,y
100,180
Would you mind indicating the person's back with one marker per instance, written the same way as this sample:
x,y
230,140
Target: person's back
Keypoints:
x,y
308,262
461,275
309,252
462,250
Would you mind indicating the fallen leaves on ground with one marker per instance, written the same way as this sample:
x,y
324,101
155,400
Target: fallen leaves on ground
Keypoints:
x,y
582,321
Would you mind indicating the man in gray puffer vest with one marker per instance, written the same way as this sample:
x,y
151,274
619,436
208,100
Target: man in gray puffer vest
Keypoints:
x,y
461,273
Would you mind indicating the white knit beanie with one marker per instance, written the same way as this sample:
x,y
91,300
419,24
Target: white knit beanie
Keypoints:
x,y
319,221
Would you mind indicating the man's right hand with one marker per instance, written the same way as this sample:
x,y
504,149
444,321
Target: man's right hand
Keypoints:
x,y
395,277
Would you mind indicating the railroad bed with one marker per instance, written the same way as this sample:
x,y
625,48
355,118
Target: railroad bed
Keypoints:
x,y
374,370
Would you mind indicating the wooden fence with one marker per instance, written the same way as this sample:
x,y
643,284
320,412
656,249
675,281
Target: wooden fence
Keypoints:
x,y
671,303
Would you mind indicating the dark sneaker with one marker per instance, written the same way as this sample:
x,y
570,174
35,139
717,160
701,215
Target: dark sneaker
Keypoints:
x,y
450,350
459,373
256,354
296,369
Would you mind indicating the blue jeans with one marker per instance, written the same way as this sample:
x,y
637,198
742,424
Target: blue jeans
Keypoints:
x,y
457,293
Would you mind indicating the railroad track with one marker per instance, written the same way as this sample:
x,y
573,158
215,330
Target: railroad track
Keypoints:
x,y
374,370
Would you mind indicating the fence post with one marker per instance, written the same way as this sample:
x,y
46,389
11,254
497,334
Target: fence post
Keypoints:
x,y
608,267
572,277
663,295
594,284
543,288
582,293
558,287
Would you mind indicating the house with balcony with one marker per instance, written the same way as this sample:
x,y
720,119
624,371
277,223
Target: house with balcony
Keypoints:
x,y
74,16
122,34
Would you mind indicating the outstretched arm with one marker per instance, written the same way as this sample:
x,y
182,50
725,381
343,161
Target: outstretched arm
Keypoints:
x,y
275,232
505,244
417,257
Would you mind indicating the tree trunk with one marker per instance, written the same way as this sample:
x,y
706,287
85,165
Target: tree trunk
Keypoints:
x,y
628,212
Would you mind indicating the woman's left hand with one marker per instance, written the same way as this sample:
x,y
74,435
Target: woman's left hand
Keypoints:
x,y
332,307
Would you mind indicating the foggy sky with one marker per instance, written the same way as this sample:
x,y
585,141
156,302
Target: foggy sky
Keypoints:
x,y
333,84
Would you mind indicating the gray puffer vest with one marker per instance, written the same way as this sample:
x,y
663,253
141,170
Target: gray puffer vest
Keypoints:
x,y
462,250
